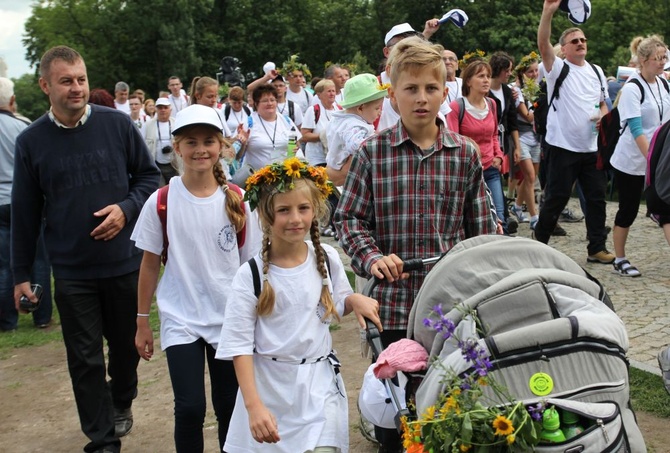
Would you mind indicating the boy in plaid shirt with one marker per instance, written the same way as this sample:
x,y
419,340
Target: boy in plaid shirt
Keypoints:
x,y
414,190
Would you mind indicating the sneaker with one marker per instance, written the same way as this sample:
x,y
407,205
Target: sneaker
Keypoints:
x,y
568,216
512,226
664,364
518,213
602,257
559,231
123,422
533,223
655,218
625,269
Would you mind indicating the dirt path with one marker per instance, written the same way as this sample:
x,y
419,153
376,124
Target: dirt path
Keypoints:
x,y
38,413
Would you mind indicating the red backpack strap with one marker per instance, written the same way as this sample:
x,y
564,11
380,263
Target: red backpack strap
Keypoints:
x,y
161,209
241,235
317,114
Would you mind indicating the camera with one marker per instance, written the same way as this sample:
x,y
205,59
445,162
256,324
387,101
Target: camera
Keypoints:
x,y
26,305
166,149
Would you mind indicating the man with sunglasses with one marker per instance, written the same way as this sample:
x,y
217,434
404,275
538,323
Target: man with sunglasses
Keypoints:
x,y
572,124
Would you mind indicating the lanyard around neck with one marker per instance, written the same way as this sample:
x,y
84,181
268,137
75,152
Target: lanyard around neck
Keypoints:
x,y
659,101
158,126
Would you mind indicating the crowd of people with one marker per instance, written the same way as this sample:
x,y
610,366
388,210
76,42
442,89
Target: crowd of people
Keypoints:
x,y
364,158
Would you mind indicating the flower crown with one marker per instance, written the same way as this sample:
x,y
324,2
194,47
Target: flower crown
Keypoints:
x,y
472,56
292,64
280,177
526,61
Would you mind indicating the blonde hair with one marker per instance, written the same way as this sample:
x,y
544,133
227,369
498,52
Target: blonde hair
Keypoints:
x,y
234,209
321,86
198,86
415,53
645,48
266,300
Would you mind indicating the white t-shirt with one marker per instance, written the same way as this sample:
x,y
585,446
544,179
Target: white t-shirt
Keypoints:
x,y
569,126
193,292
655,110
303,98
345,134
455,89
305,399
298,116
224,125
389,117
125,107
314,152
235,119
178,103
268,140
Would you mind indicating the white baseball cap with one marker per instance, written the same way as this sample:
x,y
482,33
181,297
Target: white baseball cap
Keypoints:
x,y
399,29
197,114
162,101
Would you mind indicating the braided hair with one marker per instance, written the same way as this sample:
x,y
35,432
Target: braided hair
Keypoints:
x,y
266,299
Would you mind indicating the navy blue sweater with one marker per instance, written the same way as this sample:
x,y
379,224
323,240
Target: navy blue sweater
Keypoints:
x,y
73,173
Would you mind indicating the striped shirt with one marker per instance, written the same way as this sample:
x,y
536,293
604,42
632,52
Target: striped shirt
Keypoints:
x,y
415,203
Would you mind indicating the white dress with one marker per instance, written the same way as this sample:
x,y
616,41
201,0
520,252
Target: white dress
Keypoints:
x,y
203,257
308,400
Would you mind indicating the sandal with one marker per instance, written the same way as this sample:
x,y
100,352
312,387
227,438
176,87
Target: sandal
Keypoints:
x,y
625,269
664,364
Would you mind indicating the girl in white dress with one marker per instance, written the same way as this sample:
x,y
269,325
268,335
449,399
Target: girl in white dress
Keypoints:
x,y
202,218
292,397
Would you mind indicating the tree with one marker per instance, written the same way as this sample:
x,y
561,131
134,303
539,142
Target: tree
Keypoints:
x,y
31,101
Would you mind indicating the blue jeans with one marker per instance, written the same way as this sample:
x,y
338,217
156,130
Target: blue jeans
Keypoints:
x,y
41,273
186,363
493,181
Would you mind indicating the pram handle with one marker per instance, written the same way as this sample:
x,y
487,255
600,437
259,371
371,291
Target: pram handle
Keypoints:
x,y
372,332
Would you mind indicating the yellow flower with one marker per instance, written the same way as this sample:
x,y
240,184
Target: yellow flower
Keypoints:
x,y
503,426
450,405
293,167
510,439
429,414
411,434
384,86
464,447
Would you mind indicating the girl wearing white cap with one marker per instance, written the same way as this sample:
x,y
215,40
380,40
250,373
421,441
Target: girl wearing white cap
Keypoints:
x,y
193,292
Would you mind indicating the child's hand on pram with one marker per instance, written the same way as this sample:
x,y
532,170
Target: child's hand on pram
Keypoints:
x,y
363,307
389,268
263,424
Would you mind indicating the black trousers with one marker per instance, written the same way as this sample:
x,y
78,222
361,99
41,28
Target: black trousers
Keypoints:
x,y
90,311
564,168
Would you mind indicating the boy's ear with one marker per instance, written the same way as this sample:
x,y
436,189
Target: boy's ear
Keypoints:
x,y
445,93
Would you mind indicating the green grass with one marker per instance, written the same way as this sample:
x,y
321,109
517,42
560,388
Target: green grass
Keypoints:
x,y
648,393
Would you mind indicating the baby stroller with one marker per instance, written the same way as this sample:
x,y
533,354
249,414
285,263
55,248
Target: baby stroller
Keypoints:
x,y
540,312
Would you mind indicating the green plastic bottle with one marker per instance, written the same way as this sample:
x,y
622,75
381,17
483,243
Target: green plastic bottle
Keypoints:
x,y
551,427
571,426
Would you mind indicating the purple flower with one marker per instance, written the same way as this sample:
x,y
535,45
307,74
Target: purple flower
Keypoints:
x,y
536,411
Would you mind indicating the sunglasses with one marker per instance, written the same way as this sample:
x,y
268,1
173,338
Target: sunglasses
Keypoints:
x,y
577,41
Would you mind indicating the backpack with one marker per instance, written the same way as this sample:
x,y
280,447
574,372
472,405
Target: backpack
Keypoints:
x,y
611,130
256,275
657,179
543,102
161,208
544,320
228,109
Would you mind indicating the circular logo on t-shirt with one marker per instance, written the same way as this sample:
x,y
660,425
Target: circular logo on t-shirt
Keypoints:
x,y
227,238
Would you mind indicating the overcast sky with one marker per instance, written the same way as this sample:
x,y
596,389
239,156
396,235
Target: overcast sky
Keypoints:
x,y
13,15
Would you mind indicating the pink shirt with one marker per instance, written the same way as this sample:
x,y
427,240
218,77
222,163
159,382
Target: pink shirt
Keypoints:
x,y
483,132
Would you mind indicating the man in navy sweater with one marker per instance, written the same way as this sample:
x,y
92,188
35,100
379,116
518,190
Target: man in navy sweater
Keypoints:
x,y
90,170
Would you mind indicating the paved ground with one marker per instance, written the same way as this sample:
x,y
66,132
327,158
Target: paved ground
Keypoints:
x,y
644,302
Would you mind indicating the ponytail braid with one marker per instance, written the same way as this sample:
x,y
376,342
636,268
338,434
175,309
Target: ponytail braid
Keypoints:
x,y
234,209
266,301
326,297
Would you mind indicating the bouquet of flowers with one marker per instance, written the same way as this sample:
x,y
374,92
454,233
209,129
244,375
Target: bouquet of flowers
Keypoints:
x,y
464,418
530,89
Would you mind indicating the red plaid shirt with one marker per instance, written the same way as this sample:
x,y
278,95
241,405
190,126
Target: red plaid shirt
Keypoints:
x,y
415,203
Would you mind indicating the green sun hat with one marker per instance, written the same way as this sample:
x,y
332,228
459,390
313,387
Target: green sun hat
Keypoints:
x,y
361,89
